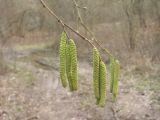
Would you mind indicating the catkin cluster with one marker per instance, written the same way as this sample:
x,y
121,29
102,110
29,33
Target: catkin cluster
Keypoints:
x,y
99,78
68,71
114,72
68,63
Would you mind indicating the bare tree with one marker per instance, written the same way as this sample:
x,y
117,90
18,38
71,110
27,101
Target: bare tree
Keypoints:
x,y
138,9
133,9
7,29
128,9
156,6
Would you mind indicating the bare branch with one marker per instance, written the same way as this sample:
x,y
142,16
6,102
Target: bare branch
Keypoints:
x,y
64,25
88,30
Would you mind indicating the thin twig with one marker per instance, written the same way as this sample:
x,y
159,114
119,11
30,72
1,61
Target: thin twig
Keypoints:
x,y
88,30
74,31
64,24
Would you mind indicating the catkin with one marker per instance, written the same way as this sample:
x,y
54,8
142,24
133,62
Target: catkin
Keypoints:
x,y
62,54
74,74
96,59
102,79
68,67
116,76
112,65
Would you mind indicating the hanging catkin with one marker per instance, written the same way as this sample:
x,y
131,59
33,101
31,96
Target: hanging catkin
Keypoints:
x,y
74,74
96,59
112,65
116,76
62,55
68,67
102,79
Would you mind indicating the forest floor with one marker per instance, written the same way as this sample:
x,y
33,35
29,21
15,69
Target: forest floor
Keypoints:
x,y
31,90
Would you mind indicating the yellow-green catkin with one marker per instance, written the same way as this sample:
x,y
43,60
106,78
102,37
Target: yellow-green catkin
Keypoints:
x,y
112,65
74,73
116,77
102,79
62,55
68,67
96,60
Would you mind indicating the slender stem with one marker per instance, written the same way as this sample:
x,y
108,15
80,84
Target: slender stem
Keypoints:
x,y
64,24
89,31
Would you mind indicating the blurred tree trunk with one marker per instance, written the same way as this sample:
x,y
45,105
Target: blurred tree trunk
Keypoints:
x,y
139,11
156,5
7,10
128,9
134,9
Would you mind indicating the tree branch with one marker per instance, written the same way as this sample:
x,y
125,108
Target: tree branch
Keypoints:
x,y
88,30
64,25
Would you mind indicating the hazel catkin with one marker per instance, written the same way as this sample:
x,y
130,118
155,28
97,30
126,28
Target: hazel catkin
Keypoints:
x,y
62,55
102,79
112,65
68,67
96,60
73,58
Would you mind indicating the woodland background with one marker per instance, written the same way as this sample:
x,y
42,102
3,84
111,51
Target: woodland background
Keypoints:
x,y
29,40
